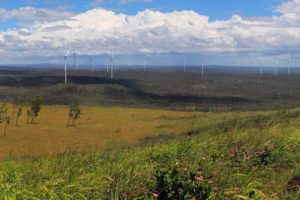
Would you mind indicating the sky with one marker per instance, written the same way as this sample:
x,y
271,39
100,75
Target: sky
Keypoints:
x,y
163,32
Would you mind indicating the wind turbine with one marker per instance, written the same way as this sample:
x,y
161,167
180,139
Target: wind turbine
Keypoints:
x,y
184,64
75,59
202,67
92,67
112,66
261,65
275,68
115,64
145,67
67,53
107,61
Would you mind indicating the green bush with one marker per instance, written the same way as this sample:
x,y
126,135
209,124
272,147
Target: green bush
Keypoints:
x,y
178,182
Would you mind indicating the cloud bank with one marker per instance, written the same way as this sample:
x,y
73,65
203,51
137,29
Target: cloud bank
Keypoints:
x,y
100,31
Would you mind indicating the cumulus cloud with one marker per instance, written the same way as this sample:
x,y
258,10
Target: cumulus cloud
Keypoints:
x,y
100,31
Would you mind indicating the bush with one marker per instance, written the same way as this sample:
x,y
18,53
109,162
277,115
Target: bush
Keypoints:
x,y
35,107
4,118
176,182
74,114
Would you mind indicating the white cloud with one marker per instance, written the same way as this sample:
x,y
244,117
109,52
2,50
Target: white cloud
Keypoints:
x,y
33,14
100,31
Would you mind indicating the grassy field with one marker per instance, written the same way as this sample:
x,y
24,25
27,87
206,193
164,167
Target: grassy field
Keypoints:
x,y
239,156
96,127
161,135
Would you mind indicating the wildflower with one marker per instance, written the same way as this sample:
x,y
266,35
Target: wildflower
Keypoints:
x,y
210,181
146,191
199,178
155,196
177,163
185,169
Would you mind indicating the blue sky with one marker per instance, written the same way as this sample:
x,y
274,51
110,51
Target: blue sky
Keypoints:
x,y
231,32
215,9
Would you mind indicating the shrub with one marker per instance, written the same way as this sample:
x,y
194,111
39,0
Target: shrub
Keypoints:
x,y
176,182
18,115
35,107
4,118
74,114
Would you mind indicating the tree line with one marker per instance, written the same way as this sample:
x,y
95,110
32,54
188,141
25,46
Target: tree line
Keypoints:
x,y
32,113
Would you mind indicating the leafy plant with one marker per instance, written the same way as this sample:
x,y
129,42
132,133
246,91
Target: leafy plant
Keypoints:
x,y
74,114
176,182
4,118
18,115
35,107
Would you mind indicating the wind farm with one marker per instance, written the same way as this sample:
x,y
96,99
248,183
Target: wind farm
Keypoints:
x,y
167,100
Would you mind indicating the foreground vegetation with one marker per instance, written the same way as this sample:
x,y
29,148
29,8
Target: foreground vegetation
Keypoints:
x,y
249,156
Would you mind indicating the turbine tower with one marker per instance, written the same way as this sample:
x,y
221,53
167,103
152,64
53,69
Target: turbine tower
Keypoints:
x,y
67,52
115,64
261,65
202,67
184,64
107,61
75,64
92,67
145,67
112,66
275,68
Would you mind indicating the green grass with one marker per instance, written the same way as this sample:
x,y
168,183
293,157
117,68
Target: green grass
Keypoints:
x,y
248,156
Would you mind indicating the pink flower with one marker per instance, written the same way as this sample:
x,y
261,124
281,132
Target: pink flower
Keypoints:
x,y
199,178
185,169
155,196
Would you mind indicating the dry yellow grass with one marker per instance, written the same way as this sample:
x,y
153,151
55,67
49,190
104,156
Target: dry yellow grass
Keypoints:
x,y
96,127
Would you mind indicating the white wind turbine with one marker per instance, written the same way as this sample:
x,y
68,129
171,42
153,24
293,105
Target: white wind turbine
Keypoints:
x,y
112,66
75,59
107,61
202,67
115,64
67,53
92,67
145,65
275,69
261,65
184,63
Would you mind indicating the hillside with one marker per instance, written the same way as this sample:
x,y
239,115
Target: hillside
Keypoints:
x,y
172,90
242,156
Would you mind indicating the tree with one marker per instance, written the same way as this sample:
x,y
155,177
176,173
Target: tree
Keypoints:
x,y
17,111
4,118
35,107
74,114
18,115
15,105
